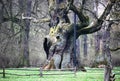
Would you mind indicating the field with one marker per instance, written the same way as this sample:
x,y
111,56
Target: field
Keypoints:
x,y
95,74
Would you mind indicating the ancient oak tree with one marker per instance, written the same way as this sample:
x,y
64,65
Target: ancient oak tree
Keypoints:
x,y
58,44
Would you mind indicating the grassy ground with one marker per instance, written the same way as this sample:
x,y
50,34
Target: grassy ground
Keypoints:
x,y
90,75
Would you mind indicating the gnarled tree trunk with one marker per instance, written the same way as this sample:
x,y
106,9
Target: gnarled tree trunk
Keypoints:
x,y
59,43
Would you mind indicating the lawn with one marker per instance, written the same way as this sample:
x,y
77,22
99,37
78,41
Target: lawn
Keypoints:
x,y
91,75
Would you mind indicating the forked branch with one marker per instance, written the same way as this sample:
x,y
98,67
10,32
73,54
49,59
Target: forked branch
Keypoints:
x,y
96,25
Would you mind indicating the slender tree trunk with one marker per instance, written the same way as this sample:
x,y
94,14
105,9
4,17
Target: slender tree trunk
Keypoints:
x,y
26,33
108,69
85,45
97,35
25,8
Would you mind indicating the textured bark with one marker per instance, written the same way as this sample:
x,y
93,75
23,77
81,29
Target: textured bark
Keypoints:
x,y
61,34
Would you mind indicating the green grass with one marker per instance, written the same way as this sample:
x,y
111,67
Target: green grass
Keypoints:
x,y
90,75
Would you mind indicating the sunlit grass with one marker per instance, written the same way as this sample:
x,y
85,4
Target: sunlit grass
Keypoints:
x,y
91,75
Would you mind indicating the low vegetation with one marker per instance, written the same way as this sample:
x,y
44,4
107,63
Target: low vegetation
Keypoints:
x,y
94,74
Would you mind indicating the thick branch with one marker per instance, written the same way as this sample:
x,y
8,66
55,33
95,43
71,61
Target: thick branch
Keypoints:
x,y
96,25
93,27
114,49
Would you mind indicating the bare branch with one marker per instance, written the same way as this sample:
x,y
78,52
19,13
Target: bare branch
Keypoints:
x,y
107,10
36,20
93,14
23,17
101,3
80,15
96,25
114,49
11,36
15,20
5,8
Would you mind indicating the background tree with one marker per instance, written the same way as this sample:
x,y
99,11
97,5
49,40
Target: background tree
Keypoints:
x,y
16,34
